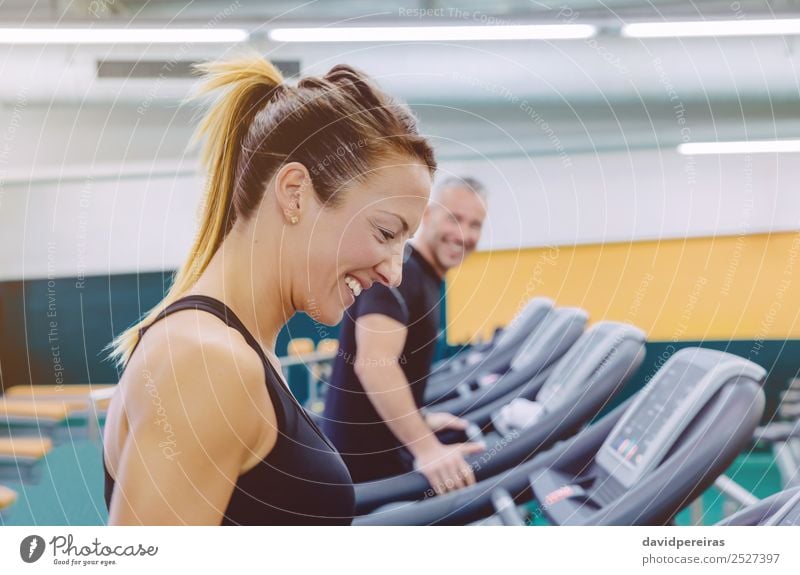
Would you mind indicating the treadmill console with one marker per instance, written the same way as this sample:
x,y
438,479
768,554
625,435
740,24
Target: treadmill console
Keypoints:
x,y
665,408
574,371
527,348
549,335
533,313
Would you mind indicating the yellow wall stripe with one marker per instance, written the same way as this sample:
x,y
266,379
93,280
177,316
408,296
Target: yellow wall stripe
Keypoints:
x,y
733,287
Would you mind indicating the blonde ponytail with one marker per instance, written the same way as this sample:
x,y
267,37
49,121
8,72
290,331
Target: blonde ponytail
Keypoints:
x,y
259,124
248,83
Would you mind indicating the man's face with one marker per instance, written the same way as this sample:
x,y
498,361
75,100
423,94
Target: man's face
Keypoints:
x,y
453,224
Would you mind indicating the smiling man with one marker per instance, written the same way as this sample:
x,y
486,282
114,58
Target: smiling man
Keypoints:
x,y
387,343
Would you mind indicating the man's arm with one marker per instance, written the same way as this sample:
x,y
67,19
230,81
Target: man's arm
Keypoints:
x,y
379,342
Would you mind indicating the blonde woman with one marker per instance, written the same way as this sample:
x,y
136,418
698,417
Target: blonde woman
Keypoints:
x,y
312,191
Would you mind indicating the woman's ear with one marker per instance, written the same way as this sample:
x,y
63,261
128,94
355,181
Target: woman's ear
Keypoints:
x,y
292,191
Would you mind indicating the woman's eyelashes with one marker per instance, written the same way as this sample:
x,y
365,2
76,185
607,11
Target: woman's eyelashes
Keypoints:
x,y
387,235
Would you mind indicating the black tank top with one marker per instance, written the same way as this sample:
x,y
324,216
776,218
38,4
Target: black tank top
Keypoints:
x,y
303,480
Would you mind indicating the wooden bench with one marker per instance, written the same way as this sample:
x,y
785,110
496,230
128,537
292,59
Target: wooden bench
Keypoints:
x,y
71,392
25,418
16,448
74,407
42,410
7,497
77,398
61,420
19,457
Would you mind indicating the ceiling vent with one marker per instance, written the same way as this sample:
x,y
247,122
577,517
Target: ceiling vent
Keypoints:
x,y
169,69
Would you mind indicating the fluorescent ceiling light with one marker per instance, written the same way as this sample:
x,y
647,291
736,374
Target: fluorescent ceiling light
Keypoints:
x,y
785,27
434,33
121,35
754,147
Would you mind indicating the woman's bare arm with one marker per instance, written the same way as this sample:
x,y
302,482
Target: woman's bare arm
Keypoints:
x,y
195,414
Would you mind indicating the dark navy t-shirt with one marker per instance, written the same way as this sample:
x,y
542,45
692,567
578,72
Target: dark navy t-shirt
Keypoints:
x,y
366,443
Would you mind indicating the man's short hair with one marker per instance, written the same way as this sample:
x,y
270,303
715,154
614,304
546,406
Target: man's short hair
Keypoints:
x,y
467,182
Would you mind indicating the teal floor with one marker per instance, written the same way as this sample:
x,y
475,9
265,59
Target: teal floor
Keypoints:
x,y
70,489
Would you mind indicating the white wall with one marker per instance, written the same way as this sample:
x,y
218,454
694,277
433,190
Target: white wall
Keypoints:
x,y
611,197
100,166
145,220
98,225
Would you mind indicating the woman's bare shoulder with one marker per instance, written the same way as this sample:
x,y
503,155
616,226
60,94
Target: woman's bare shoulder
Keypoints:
x,y
203,369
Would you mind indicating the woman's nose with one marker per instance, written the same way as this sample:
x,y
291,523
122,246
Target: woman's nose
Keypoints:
x,y
396,271
391,269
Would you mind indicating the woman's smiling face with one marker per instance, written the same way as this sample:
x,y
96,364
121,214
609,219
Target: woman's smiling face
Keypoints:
x,y
360,241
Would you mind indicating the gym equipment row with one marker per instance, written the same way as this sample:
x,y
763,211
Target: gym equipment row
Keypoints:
x,y
448,376
639,465
553,408
537,405
600,488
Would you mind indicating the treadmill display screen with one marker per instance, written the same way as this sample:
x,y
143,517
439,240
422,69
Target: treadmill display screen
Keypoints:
x,y
665,398
557,387
564,384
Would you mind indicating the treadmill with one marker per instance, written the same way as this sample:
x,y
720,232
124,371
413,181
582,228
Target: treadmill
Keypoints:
x,y
530,366
783,508
512,334
445,376
576,391
639,465
524,320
